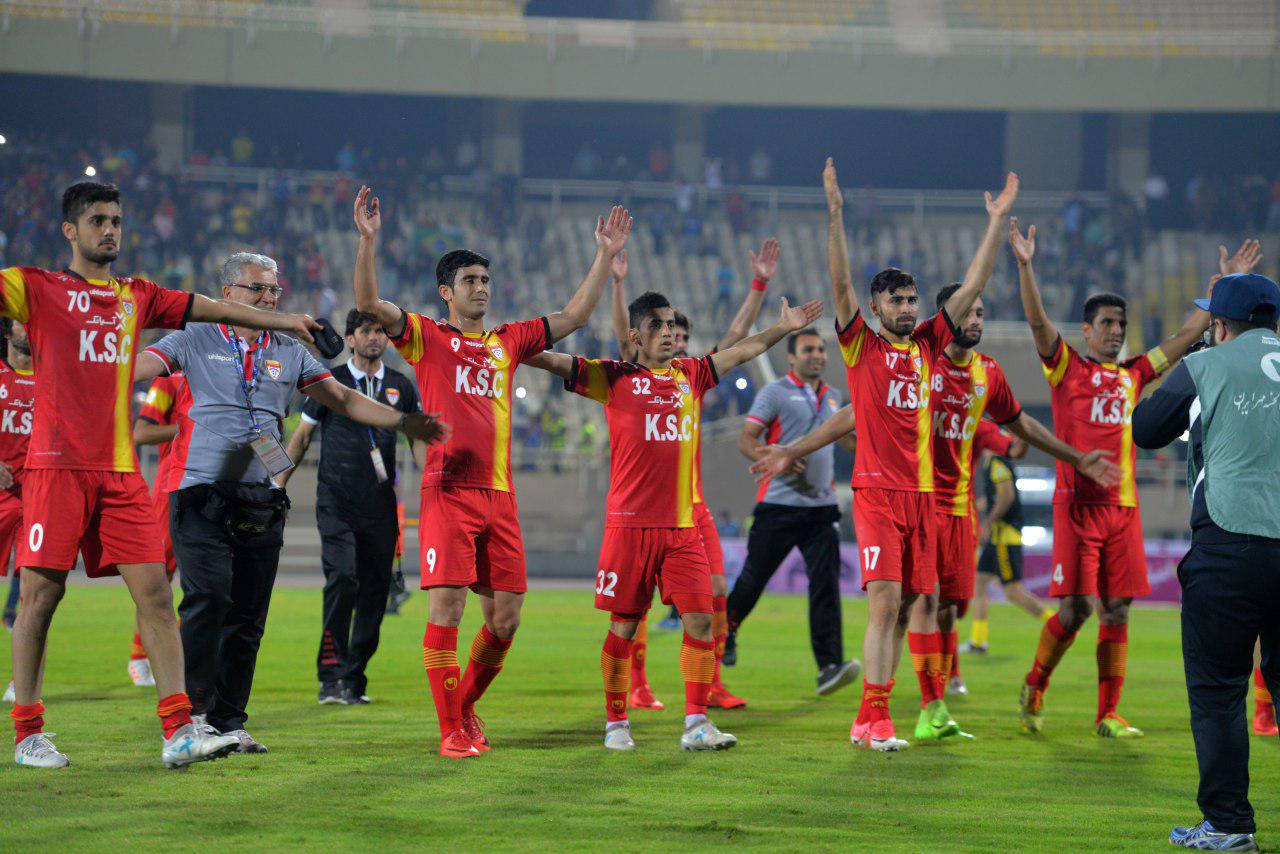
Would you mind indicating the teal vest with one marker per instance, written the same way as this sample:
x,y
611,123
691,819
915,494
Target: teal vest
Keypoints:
x,y
1238,403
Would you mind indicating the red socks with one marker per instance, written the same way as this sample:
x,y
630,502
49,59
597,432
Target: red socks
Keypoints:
x,y
1055,640
137,650
1261,696
174,712
698,667
1113,650
488,651
615,664
719,631
27,720
926,658
875,702
440,658
639,651
950,656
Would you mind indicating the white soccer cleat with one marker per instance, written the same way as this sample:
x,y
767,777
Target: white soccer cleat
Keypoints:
x,y
10,696
247,743
879,735
192,744
619,737
706,736
140,672
37,751
956,687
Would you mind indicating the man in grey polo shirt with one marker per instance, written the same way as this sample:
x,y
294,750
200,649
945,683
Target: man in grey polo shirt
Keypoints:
x,y
227,516
798,509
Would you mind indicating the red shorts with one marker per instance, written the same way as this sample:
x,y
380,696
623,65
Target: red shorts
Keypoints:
x,y
470,537
161,501
1098,551
10,528
635,560
957,556
706,525
897,535
105,516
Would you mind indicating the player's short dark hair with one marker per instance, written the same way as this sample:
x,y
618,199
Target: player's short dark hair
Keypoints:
x,y
454,260
79,197
1097,302
945,294
891,279
683,322
643,306
796,336
356,319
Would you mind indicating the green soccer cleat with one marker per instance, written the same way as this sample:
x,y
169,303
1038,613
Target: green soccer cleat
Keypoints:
x,y
1031,708
936,724
1114,726
924,728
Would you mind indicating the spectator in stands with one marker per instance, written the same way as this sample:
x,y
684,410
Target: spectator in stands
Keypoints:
x,y
684,196
1156,192
738,212
760,166
466,155
586,163
659,162
725,279
713,174
242,149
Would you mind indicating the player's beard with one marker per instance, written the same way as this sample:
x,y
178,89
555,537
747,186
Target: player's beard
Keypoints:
x,y
903,325
969,342
98,255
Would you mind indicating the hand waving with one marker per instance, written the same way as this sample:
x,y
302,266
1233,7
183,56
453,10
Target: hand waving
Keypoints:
x,y
798,317
1003,203
831,184
764,265
612,235
619,268
1246,259
1024,248
367,214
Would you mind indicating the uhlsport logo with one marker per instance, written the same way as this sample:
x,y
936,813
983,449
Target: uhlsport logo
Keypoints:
x,y
451,683
618,705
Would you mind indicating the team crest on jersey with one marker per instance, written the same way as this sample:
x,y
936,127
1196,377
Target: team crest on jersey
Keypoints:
x,y
1124,378
683,386
126,305
498,353
979,390
393,396
918,362
274,368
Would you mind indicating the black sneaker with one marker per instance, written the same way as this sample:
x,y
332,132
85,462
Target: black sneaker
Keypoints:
x,y
730,657
351,698
833,677
331,694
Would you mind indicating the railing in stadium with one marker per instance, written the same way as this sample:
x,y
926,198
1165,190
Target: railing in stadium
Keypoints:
x,y
1232,28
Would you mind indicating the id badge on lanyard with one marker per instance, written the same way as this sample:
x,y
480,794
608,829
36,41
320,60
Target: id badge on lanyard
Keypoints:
x,y
375,455
266,447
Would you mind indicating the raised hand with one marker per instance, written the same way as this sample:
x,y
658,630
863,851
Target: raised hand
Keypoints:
x,y
776,461
795,318
426,426
1024,248
612,235
1246,259
1003,203
831,184
619,268
1095,465
367,214
764,265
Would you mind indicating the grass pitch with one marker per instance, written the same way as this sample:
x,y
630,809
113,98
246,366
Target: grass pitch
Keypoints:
x,y
342,778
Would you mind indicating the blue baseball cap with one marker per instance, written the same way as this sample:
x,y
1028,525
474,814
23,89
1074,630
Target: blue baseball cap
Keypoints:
x,y
1248,297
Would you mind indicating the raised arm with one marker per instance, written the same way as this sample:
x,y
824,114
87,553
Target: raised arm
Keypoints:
x,y
846,302
357,407
1046,335
611,236
368,219
150,433
560,364
618,307
1094,465
789,320
984,260
299,442
206,310
778,459
1247,257
763,266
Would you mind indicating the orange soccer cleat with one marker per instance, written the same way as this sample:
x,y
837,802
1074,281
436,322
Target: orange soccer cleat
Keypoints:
x,y
474,727
1264,720
457,745
721,698
642,698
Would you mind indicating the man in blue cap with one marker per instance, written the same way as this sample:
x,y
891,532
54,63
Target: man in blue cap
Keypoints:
x,y
1228,397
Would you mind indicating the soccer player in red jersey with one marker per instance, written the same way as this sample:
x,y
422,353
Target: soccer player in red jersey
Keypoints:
x,y
82,492
966,387
1098,550
17,402
651,538
763,267
469,533
161,422
890,375
1264,707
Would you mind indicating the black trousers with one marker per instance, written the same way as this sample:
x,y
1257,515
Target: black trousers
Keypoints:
x,y
778,529
1230,598
228,546
357,553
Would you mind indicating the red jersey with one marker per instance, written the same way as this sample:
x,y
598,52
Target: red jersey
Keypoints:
x,y
889,389
466,377
653,436
989,437
1093,409
17,409
84,336
169,402
961,395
